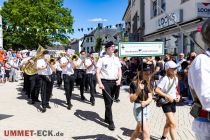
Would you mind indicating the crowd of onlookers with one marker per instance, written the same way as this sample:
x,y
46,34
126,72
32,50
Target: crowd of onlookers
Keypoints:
x,y
9,64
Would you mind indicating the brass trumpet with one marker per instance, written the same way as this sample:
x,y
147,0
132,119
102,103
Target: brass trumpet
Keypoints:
x,y
74,57
52,61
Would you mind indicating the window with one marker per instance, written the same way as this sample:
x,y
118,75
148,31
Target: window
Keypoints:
x,y
92,49
163,5
154,9
183,1
87,40
91,39
87,49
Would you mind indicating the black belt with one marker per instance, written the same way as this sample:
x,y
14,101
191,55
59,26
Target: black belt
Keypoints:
x,y
107,80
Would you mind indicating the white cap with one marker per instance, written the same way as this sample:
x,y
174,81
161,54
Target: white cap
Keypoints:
x,y
63,60
170,65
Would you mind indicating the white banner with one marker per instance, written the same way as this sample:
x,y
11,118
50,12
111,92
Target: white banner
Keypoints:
x,y
141,49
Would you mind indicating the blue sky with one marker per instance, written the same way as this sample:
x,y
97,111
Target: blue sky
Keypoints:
x,y
88,13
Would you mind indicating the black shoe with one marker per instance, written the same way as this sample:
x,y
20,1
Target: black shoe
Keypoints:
x,y
48,106
117,100
32,102
43,110
92,103
69,106
111,127
37,101
83,98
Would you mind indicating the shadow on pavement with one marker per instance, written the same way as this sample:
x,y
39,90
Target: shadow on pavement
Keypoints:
x,y
91,116
78,98
4,116
58,102
127,132
95,137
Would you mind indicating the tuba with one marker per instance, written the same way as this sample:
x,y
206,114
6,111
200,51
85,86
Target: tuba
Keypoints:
x,y
30,68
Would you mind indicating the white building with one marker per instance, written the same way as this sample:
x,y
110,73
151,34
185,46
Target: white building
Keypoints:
x,y
189,14
106,34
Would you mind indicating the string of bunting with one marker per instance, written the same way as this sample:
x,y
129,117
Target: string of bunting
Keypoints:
x,y
28,29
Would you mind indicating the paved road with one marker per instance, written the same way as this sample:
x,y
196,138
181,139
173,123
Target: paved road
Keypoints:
x,y
83,121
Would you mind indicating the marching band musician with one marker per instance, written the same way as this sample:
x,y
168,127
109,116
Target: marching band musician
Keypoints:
x,y
58,72
81,75
67,67
31,82
45,72
109,77
90,73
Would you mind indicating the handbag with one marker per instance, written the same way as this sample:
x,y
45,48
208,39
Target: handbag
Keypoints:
x,y
160,101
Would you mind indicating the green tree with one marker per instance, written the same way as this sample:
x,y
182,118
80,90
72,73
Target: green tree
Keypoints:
x,y
98,44
28,23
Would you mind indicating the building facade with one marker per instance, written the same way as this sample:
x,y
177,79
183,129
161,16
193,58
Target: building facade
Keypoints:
x,y
159,26
76,45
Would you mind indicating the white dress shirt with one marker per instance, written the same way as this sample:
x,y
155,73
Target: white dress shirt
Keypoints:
x,y
198,79
41,63
109,67
92,69
68,69
78,62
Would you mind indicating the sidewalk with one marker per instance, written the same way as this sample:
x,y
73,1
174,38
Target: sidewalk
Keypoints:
x,y
83,121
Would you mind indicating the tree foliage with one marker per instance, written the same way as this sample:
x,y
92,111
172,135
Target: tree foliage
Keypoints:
x,y
22,18
98,44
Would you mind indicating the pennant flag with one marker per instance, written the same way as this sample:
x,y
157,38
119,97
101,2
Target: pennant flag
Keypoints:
x,y
47,30
37,29
88,29
7,26
72,30
17,27
66,30
79,30
56,31
82,29
27,29
91,28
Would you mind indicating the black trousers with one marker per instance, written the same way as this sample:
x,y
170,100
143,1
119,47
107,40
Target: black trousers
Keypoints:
x,y
94,82
110,87
34,86
26,84
90,82
81,75
68,86
117,93
59,79
46,90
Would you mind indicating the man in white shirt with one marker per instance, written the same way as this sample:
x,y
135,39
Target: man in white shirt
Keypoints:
x,y
81,73
109,77
45,73
58,72
68,78
198,79
90,75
